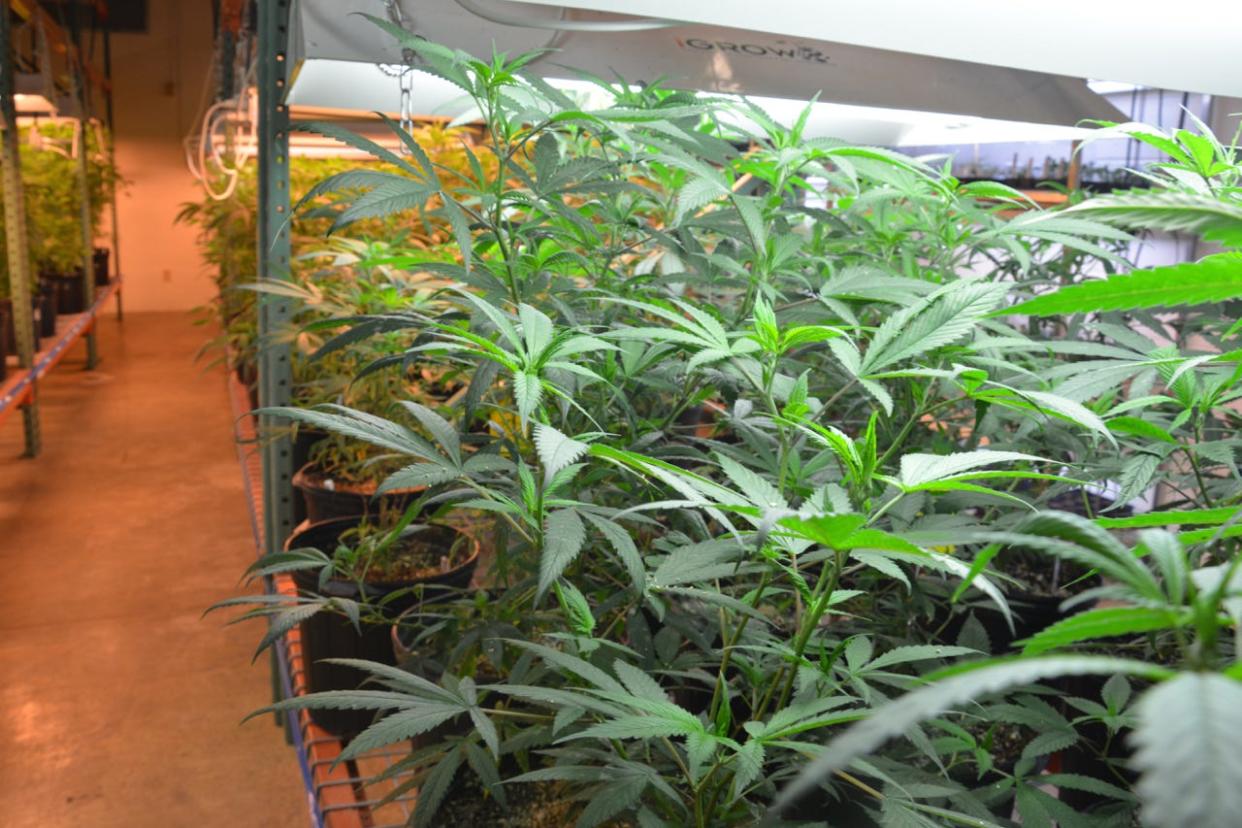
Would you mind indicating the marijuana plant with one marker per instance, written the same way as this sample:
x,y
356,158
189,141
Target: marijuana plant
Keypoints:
x,y
753,466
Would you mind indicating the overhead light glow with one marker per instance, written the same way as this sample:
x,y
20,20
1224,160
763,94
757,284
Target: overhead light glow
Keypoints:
x,y
349,85
29,104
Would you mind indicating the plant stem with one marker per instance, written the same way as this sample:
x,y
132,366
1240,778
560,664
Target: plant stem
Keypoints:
x,y
1194,464
718,694
820,603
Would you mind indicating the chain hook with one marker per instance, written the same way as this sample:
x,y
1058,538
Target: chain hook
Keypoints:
x,y
405,74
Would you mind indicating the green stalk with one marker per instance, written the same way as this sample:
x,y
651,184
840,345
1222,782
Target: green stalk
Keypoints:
x,y
718,693
823,592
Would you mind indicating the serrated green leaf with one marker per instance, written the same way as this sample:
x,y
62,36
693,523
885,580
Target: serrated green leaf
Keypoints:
x,y
830,531
439,428
575,606
917,652
434,787
417,476
942,318
1186,749
1140,428
955,686
638,682
527,392
556,450
626,550
1102,623
1171,517
1212,218
402,725
921,469
563,537
1216,278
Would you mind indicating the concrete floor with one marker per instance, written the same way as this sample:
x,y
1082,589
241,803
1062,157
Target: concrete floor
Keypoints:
x,y
121,704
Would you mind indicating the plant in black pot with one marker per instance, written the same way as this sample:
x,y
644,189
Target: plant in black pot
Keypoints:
x,y
42,304
50,173
714,601
339,476
47,301
355,577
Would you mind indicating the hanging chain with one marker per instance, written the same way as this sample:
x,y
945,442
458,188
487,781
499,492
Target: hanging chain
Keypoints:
x,y
405,73
407,107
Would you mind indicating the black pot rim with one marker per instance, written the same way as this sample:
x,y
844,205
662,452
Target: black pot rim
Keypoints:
x,y
382,587
308,479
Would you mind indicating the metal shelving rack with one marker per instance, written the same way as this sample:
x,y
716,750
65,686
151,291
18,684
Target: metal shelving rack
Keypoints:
x,y
20,391
339,795
17,392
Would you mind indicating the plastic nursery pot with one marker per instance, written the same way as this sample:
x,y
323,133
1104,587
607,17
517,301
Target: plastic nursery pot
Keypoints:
x,y
9,331
303,441
425,665
405,629
326,499
70,292
327,635
248,375
47,311
99,262
843,807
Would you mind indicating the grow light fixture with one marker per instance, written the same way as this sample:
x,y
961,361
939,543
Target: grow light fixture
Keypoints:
x,y
31,94
776,61
32,104
1114,39
341,85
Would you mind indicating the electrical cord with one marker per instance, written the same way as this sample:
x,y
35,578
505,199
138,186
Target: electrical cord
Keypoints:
x,y
504,18
203,154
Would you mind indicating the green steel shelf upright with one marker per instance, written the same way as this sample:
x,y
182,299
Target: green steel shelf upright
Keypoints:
x,y
15,227
83,82
81,96
108,119
275,377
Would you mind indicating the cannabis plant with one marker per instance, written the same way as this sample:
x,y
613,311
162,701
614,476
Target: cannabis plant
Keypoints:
x,y
1172,601
757,418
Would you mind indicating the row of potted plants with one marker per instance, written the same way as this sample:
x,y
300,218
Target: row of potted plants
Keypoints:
x,y
699,504
53,219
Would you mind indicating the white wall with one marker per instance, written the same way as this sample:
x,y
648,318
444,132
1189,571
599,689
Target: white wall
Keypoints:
x,y
158,81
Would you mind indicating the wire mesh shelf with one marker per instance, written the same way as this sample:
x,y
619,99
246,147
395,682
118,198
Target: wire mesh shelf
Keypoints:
x,y
340,794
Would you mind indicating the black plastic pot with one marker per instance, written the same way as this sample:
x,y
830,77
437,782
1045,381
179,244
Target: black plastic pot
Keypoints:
x,y
99,261
327,635
303,441
1032,612
47,312
70,292
1035,611
845,807
248,375
325,500
10,329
